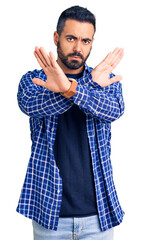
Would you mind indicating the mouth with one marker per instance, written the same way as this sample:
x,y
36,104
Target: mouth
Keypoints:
x,y
76,57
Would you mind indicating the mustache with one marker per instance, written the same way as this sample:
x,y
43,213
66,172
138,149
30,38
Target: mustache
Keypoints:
x,y
76,54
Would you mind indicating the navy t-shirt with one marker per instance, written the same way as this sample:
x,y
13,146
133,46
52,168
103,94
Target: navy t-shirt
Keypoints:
x,y
73,158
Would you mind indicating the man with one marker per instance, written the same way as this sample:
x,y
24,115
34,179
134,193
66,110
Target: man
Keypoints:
x,y
69,191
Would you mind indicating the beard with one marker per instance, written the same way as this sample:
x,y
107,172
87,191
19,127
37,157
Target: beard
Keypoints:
x,y
73,64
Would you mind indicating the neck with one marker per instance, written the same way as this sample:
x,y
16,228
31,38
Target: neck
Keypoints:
x,y
67,70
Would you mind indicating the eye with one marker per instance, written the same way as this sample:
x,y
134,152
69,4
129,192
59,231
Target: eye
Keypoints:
x,y
86,41
70,39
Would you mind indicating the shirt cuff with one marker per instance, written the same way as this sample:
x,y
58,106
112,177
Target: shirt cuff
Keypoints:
x,y
82,96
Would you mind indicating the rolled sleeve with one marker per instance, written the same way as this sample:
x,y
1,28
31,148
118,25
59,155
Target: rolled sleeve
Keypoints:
x,y
104,103
37,101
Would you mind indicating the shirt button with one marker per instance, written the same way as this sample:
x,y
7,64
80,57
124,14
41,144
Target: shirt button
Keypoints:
x,y
58,191
79,102
52,129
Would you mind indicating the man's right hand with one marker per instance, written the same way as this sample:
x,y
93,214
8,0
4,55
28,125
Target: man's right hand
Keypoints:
x,y
56,79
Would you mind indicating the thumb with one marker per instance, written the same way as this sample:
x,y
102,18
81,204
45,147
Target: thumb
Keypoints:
x,y
39,82
117,78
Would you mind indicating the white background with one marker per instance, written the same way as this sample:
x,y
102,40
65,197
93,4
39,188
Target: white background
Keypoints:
x,y
25,24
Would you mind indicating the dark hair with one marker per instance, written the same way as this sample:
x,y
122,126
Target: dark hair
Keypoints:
x,y
76,13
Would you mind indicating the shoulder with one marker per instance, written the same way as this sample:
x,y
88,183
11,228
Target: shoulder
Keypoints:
x,y
26,80
27,77
35,74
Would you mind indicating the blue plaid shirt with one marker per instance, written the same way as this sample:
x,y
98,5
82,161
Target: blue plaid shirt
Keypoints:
x,y
41,194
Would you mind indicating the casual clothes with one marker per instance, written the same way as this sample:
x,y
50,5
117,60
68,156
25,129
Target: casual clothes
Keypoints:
x,y
41,195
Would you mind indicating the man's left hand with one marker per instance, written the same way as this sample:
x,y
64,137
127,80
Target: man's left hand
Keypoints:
x,y
101,72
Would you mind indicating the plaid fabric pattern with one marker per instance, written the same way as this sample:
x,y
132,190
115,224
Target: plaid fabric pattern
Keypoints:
x,y
41,193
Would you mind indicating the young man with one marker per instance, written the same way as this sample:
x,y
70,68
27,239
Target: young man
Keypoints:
x,y
69,191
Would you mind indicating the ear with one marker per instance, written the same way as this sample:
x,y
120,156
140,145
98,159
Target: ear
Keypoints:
x,y
56,38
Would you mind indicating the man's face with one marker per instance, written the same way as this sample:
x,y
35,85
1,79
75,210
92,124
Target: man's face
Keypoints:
x,y
75,43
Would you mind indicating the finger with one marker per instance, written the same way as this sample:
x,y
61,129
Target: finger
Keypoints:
x,y
116,55
105,63
119,54
45,56
117,78
38,52
113,55
53,60
39,60
39,82
117,61
107,58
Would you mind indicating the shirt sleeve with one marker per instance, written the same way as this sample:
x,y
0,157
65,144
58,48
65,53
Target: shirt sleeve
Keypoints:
x,y
106,103
37,101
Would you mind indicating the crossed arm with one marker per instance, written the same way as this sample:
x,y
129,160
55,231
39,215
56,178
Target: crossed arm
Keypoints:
x,y
38,97
58,82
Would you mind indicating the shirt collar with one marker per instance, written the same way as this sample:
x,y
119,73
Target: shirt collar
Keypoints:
x,y
87,68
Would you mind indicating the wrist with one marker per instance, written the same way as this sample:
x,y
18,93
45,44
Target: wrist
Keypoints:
x,y
67,87
71,91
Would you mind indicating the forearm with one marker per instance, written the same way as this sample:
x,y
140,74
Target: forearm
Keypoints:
x,y
104,103
37,101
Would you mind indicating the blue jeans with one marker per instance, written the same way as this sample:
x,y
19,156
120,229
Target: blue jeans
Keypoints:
x,y
73,228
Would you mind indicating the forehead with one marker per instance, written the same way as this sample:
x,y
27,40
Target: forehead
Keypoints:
x,y
78,29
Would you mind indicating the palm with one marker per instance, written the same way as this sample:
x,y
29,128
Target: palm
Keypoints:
x,y
55,73
102,71
56,79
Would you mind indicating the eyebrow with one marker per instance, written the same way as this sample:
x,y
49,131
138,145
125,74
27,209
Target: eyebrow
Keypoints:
x,y
72,36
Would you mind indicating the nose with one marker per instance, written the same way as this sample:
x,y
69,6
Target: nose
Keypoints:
x,y
77,46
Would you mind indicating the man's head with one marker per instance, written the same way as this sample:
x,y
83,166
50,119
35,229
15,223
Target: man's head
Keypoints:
x,y
75,13
74,36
